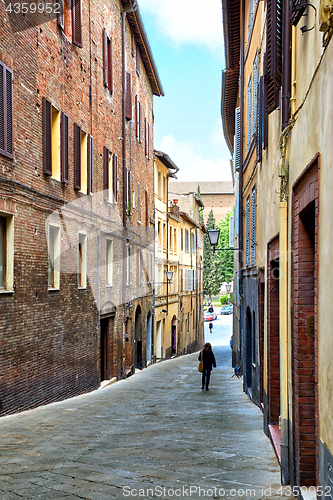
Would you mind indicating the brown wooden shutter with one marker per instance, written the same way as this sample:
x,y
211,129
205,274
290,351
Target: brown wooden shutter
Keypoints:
x,y
64,148
106,173
259,120
6,112
89,164
265,114
47,137
276,40
128,99
147,208
77,157
115,177
77,23
146,137
105,58
137,117
61,15
129,190
140,122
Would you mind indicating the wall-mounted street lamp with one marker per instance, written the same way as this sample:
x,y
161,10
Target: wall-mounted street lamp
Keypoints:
x,y
213,235
228,288
169,276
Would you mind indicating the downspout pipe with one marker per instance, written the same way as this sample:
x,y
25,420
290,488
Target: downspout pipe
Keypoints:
x,y
240,179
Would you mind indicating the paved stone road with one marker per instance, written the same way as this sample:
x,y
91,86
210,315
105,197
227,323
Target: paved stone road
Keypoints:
x,y
155,430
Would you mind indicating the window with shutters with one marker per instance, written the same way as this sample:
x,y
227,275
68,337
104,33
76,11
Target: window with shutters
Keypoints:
x,y
109,262
64,17
110,176
54,257
187,241
171,239
138,61
64,124
128,96
237,145
273,69
107,56
247,234
248,118
6,252
139,201
193,243
77,22
6,112
82,160
137,118
175,241
189,280
55,142
260,111
82,261
164,237
254,95
159,234
194,280
253,226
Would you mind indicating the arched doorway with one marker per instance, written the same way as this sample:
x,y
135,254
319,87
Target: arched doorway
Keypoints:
x,y
149,353
248,348
138,338
174,335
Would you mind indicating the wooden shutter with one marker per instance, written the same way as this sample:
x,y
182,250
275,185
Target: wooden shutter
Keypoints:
x,y
139,202
105,58
265,104
64,148
115,177
146,137
89,164
248,119
148,130
147,208
237,146
6,112
128,96
254,96
106,155
259,120
138,60
129,190
253,227
47,137
274,52
61,15
133,44
77,157
77,23
140,122
137,125
247,243
110,65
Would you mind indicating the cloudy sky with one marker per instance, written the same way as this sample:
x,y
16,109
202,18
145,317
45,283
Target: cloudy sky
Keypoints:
x,y
187,43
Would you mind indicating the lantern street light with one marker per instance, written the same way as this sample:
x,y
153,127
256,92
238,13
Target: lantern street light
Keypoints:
x,y
228,288
169,275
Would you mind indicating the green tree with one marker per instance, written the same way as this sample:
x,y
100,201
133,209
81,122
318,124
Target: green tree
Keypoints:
x,y
226,258
212,279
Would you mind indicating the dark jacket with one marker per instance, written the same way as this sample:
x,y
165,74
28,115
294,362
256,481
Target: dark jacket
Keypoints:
x,y
208,359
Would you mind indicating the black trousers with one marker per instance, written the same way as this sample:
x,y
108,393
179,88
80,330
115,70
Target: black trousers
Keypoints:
x,y
205,378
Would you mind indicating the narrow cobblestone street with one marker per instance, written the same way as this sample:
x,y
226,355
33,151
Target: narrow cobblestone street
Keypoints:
x,y
156,430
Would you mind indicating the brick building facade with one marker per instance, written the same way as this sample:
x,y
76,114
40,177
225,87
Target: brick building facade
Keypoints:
x,y
76,197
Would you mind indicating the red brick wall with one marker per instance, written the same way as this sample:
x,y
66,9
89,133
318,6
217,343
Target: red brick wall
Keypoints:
x,y
304,298
50,341
261,331
273,392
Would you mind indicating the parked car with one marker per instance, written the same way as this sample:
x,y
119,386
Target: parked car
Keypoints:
x,y
227,309
210,316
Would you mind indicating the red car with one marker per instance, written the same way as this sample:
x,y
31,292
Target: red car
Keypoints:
x,y
210,316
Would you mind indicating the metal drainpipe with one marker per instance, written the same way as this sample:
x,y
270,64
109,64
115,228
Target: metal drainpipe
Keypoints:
x,y
167,242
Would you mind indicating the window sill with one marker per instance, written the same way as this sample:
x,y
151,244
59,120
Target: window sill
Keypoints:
x,y
6,292
82,288
53,289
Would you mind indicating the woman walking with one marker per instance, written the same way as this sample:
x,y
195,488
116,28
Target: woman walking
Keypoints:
x,y
208,360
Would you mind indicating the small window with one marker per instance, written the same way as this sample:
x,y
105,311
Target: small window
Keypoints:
x,y
110,176
82,160
6,112
6,252
82,267
64,17
107,56
54,257
109,262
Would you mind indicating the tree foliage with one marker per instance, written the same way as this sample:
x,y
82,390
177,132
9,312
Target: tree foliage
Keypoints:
x,y
212,278
226,258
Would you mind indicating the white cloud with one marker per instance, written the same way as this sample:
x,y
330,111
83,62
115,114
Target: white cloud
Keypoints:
x,y
192,166
188,21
